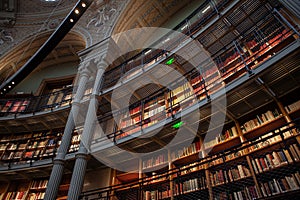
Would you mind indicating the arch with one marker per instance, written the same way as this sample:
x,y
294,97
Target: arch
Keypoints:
x,y
65,51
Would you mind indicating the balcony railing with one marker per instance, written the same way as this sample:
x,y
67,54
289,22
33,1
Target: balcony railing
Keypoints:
x,y
47,102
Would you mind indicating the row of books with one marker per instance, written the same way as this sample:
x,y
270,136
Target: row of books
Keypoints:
x,y
37,184
247,193
261,142
226,176
156,111
281,185
15,195
36,196
260,120
28,190
276,159
155,161
186,151
228,134
40,145
293,107
46,142
193,167
191,185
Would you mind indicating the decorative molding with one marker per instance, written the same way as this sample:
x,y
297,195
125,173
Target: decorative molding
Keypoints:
x,y
100,18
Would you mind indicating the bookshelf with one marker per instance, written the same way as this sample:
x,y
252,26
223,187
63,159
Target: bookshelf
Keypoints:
x,y
17,190
31,190
256,151
263,166
25,148
37,189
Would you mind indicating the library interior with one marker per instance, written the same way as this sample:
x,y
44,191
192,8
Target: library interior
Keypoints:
x,y
149,100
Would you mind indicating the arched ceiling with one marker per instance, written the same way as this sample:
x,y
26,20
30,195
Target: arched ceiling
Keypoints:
x,y
154,13
65,51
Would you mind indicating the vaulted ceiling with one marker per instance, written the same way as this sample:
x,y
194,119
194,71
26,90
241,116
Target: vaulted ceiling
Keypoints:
x,y
136,13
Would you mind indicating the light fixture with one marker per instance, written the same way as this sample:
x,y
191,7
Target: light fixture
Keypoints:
x,y
166,40
9,86
76,11
206,9
184,27
71,20
12,83
4,89
83,4
147,52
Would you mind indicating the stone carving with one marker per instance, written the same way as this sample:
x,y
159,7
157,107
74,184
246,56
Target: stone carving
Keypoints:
x,y
102,16
5,36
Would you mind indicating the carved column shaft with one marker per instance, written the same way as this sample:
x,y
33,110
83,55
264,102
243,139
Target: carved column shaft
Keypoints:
x,y
88,130
58,165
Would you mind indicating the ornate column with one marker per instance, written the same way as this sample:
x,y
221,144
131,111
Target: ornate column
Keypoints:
x,y
59,160
88,130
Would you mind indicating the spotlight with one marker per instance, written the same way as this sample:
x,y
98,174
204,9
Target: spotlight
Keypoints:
x,y
71,20
12,83
83,4
76,11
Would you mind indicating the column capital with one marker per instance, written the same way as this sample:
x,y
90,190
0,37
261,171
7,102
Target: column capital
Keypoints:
x,y
84,69
101,62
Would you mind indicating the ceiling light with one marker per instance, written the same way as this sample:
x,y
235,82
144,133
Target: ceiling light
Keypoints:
x,y
83,4
71,20
4,89
13,83
76,11
9,86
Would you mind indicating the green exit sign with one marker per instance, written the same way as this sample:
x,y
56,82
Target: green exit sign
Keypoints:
x,y
170,61
177,125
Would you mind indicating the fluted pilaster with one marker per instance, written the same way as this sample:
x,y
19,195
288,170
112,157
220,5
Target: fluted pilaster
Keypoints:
x,y
88,130
59,160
